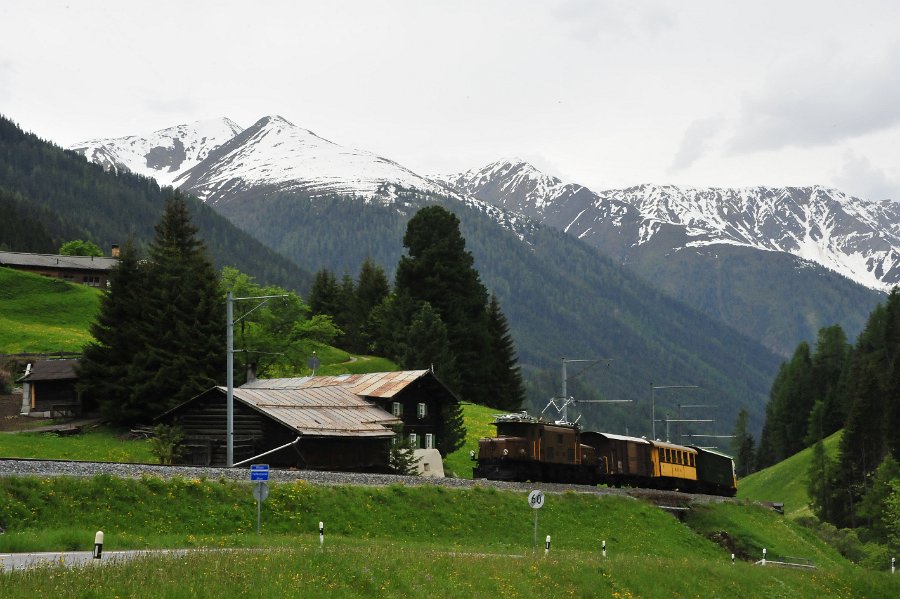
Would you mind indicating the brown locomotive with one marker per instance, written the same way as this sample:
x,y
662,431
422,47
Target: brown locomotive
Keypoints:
x,y
530,449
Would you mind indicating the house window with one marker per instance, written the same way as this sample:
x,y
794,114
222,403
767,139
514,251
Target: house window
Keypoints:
x,y
414,440
397,408
429,440
91,281
422,410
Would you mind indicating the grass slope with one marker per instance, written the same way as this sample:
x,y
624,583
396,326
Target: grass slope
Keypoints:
x,y
786,481
478,421
39,314
398,541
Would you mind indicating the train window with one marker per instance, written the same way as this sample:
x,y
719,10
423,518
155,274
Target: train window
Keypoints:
x,y
669,455
662,456
681,457
691,457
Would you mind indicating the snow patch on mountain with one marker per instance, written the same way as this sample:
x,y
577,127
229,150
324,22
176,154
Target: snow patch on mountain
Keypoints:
x,y
163,155
857,238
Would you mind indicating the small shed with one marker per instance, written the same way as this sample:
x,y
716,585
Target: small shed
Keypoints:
x,y
338,430
49,388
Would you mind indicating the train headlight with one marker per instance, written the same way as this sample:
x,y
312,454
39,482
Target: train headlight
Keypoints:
x,y
505,452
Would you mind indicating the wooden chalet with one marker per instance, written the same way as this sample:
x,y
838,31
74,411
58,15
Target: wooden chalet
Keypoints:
x,y
48,388
414,396
344,423
86,270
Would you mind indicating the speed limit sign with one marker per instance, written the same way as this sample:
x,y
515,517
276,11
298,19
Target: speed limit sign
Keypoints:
x,y
536,500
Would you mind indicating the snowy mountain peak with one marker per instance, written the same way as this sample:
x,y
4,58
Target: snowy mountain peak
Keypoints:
x,y
857,238
164,154
511,183
274,155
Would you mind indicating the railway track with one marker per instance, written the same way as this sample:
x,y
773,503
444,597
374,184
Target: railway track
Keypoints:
x,y
47,468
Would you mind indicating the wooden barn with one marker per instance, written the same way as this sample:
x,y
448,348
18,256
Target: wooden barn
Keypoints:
x,y
414,396
48,388
85,270
338,430
344,422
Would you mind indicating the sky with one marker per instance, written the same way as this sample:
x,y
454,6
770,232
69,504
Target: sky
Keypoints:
x,y
603,93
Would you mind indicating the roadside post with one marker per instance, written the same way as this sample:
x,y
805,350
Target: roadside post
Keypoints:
x,y
604,549
321,534
536,501
259,474
547,547
98,544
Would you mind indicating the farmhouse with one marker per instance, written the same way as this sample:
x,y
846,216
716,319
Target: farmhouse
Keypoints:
x,y
48,388
87,270
343,422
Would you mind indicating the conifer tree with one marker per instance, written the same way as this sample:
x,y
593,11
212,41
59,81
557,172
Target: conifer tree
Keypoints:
x,y
509,391
742,445
439,270
106,373
160,335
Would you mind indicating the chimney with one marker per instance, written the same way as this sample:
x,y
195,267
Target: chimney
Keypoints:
x,y
114,250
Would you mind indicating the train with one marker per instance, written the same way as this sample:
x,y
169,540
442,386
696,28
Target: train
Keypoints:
x,y
527,448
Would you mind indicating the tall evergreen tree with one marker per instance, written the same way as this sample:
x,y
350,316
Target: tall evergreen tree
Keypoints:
x,y
183,324
325,294
106,374
439,270
509,391
742,445
371,288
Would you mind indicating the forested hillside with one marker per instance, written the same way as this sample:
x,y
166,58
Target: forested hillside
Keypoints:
x,y
57,195
562,299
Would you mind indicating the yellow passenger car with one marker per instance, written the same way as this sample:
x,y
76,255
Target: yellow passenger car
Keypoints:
x,y
673,463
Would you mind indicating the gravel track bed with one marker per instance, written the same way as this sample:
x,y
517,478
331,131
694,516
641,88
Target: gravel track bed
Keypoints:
x,y
12,467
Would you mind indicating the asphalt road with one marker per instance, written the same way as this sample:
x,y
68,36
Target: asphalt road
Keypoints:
x,y
71,559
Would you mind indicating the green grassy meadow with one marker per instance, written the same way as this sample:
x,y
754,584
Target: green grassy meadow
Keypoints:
x,y
98,445
786,481
478,421
40,314
394,541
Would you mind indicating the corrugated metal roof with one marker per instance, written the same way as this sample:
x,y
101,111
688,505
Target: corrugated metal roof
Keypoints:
x,y
332,411
52,370
56,261
373,384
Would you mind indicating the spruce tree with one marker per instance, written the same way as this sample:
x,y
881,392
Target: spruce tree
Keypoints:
x,y
742,445
183,324
509,391
439,270
106,373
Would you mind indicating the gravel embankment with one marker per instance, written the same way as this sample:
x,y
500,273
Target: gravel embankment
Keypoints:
x,y
10,467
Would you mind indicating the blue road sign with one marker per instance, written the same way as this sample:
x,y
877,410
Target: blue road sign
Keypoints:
x,y
259,472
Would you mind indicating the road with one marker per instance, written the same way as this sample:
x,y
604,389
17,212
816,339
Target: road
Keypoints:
x,y
71,559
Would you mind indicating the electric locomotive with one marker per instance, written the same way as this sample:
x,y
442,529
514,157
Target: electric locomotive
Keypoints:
x,y
530,449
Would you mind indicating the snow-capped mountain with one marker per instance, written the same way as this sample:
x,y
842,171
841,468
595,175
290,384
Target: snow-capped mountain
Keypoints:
x,y
859,239
217,161
163,155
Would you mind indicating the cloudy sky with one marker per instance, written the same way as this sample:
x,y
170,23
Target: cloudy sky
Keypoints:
x,y
605,93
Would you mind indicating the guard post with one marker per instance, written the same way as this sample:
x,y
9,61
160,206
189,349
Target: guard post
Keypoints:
x,y
98,544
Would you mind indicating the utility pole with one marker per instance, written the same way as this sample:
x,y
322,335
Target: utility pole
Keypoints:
x,y
229,365
653,389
